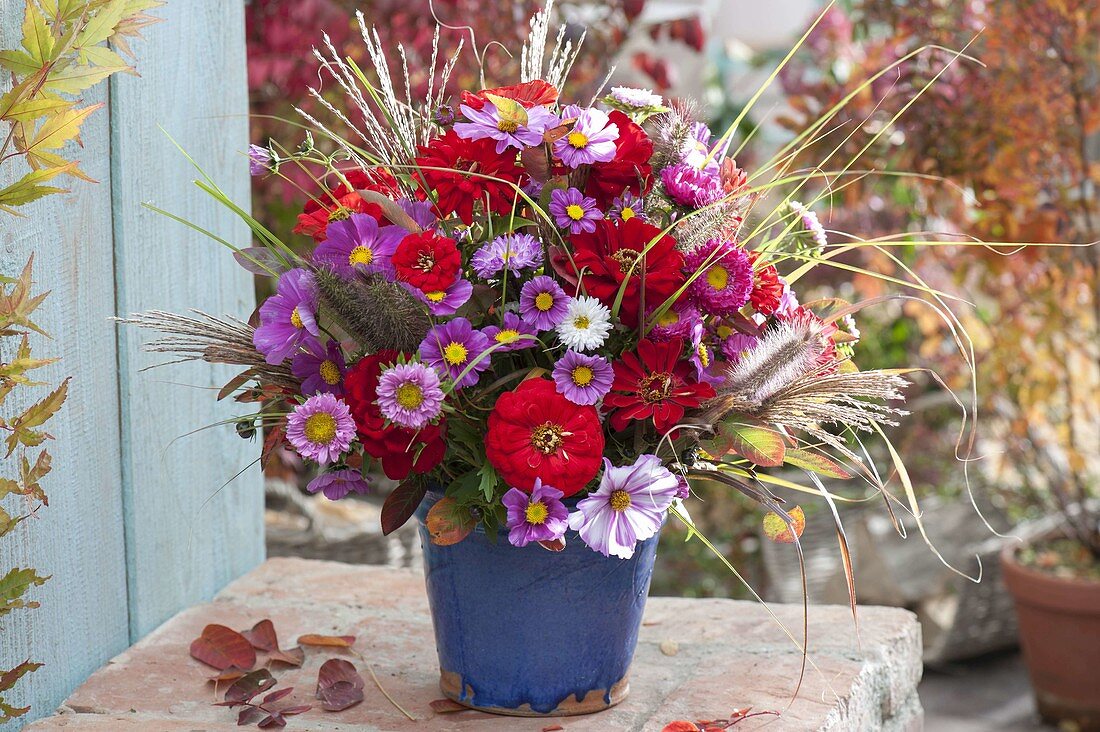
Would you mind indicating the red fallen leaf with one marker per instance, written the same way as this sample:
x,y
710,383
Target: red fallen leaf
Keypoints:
x,y
248,686
300,709
230,674
449,523
681,726
291,657
248,715
262,636
277,695
446,706
223,647
339,685
274,720
554,545
553,728
326,641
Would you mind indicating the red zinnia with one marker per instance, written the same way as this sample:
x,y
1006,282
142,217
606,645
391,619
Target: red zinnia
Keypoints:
x,y
528,94
427,261
400,451
341,202
535,432
766,287
455,159
655,382
630,170
613,253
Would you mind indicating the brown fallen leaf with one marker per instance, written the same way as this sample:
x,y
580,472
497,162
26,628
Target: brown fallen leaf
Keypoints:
x,y
230,674
262,636
222,648
339,685
553,728
326,641
446,706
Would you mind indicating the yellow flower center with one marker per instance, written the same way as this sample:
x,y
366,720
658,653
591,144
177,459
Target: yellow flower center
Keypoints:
x,y
724,331
508,335
536,513
296,319
718,277
704,355
627,213
669,317
409,395
320,428
581,322
436,296
574,211
455,354
627,259
620,500
547,437
339,214
330,372
582,376
507,125
361,255
544,301
655,387
577,139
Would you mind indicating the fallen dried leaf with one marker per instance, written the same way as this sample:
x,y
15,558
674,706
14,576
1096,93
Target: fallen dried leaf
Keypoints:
x,y
262,636
339,685
327,641
446,706
553,728
248,686
222,648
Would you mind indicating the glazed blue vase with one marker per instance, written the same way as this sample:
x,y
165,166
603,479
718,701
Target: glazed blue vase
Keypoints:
x,y
530,632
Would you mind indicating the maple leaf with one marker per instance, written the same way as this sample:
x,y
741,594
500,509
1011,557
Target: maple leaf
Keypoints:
x,y
14,585
17,304
34,416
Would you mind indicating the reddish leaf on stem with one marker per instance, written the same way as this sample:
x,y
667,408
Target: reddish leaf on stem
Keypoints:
x,y
339,685
402,503
326,641
223,647
248,686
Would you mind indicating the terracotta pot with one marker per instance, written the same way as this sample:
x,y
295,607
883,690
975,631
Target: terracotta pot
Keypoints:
x,y
1060,635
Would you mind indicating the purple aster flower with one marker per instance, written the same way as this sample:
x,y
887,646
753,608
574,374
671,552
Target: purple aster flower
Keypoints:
x,y
736,345
533,188
289,317
573,210
540,516
691,187
259,160
444,115
409,395
509,337
454,346
358,244
513,252
628,507
592,139
637,98
321,428
707,368
628,206
812,224
788,301
443,302
320,368
420,212
338,483
487,122
583,379
698,154
676,322
543,303
683,488
726,280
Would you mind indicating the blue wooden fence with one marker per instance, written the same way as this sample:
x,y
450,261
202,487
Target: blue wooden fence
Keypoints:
x,y
139,525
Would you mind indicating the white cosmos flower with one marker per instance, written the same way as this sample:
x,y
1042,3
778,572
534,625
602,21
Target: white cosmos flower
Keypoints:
x,y
586,325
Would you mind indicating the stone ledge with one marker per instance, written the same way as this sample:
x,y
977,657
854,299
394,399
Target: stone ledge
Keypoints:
x,y
726,654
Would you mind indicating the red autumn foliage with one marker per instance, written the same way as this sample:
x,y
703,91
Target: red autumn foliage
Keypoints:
x,y
223,648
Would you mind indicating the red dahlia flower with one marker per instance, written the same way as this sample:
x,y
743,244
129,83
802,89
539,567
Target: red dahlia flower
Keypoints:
x,y
427,261
766,287
535,432
528,94
341,202
629,171
655,382
400,451
456,189
613,253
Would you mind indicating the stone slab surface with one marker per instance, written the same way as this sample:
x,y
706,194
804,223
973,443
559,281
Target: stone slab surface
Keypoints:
x,y
696,659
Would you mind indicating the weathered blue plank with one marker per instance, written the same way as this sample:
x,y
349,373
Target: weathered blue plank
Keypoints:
x,y
186,536
78,539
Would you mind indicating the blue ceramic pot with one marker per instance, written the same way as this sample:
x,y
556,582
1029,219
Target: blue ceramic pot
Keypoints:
x,y
529,632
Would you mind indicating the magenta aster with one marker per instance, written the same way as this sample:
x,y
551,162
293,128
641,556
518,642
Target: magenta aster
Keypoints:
x,y
488,122
676,322
321,428
691,187
736,345
409,395
443,302
320,368
583,379
543,303
338,483
725,284
454,346
592,139
573,210
509,337
540,516
358,244
287,318
512,252
707,369
628,507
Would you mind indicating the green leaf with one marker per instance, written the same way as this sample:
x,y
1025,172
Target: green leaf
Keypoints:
x,y
36,35
759,445
815,463
103,56
60,128
102,23
17,304
31,475
19,63
8,678
14,585
77,78
35,416
29,188
489,480
32,109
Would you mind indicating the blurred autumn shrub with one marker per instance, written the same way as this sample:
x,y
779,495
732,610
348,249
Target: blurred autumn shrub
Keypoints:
x,y
1016,137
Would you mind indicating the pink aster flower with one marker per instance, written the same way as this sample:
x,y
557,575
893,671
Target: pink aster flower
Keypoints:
x,y
736,345
592,139
487,123
540,516
573,210
676,322
510,337
811,223
455,346
409,395
321,428
320,368
691,187
338,483
358,244
725,284
543,303
628,507
511,252
443,302
288,318
583,379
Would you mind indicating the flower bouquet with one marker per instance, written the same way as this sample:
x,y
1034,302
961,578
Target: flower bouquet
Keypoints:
x,y
546,320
